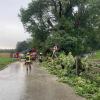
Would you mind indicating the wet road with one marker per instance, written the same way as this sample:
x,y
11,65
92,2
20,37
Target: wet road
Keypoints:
x,y
16,84
12,81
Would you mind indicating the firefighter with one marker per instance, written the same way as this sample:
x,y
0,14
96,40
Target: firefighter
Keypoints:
x,y
28,62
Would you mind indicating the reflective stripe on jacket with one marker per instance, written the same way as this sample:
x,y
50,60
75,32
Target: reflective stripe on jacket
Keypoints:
x,y
28,58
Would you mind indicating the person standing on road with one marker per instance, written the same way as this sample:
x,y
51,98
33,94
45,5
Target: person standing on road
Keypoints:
x,y
28,62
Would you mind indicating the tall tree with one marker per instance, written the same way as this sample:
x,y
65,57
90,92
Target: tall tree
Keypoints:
x,y
74,22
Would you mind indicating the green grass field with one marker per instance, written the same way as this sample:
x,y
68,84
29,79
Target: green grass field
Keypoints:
x,y
4,61
96,56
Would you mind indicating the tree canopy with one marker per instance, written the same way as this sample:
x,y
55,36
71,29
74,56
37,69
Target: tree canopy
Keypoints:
x,y
72,24
22,46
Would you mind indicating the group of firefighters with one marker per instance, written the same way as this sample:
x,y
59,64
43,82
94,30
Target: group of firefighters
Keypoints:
x,y
32,55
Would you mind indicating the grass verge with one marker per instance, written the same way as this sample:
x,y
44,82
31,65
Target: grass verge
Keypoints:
x,y
5,61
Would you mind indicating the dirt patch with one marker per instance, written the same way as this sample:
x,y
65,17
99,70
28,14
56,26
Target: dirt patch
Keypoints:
x,y
5,55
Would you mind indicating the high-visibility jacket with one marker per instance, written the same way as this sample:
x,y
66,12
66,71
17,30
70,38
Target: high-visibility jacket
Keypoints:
x,y
28,58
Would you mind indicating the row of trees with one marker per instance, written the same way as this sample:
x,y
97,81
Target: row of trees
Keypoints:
x,y
74,25
7,50
24,45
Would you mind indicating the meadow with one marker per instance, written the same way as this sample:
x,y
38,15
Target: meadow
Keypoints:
x,y
4,60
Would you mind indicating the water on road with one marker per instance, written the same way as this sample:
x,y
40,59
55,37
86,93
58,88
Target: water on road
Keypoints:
x,y
12,82
16,84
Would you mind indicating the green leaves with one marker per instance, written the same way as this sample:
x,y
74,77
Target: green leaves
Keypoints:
x,y
22,46
56,21
82,85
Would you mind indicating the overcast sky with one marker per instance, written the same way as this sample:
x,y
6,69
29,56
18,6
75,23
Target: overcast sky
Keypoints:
x,y
11,29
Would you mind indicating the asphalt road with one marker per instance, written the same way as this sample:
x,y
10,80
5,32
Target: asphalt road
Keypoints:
x,y
17,84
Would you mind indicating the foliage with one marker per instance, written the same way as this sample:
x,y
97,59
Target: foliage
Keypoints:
x,y
65,42
85,62
73,24
55,66
82,84
22,46
83,87
34,20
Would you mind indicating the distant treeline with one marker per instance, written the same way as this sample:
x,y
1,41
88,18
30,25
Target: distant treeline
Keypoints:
x,y
7,50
